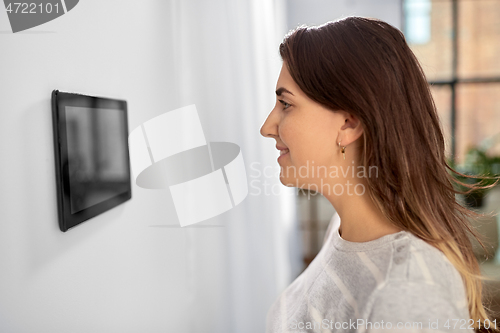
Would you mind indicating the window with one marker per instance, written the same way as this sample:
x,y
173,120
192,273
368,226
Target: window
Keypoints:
x,y
418,21
461,61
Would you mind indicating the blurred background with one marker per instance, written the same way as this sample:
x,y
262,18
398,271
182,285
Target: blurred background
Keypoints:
x,y
133,268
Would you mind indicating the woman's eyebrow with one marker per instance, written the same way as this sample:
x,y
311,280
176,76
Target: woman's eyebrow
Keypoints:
x,y
283,90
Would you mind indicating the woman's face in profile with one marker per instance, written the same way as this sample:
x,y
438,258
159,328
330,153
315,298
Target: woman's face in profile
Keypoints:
x,y
308,131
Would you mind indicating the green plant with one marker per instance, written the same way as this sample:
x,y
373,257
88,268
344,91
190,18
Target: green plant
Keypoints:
x,y
481,172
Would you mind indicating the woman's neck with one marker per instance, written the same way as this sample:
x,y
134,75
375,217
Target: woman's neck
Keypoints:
x,y
361,220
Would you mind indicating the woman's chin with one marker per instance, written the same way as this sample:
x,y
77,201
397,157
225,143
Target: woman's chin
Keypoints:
x,y
287,182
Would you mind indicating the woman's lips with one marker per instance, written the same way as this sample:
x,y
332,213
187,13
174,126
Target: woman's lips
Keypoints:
x,y
283,153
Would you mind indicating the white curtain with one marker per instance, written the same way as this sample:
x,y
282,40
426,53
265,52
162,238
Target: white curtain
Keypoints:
x,y
226,61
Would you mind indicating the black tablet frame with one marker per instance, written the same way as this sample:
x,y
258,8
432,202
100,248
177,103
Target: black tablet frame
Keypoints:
x,y
60,100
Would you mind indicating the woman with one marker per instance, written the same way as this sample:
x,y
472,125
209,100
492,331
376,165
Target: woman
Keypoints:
x,y
355,120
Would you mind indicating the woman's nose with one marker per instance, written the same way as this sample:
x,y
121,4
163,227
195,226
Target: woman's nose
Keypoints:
x,y
270,127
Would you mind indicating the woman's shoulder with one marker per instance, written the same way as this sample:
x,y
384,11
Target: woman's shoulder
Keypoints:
x,y
417,303
395,260
400,256
425,263
421,278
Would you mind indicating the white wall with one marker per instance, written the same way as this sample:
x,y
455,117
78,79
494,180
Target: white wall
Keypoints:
x,y
126,270
316,12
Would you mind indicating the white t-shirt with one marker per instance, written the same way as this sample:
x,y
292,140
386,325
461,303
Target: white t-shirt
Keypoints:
x,y
394,281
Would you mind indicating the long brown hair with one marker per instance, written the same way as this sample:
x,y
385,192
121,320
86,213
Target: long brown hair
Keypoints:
x,y
365,67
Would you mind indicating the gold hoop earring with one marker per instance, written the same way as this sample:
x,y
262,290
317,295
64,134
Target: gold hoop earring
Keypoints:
x,y
342,150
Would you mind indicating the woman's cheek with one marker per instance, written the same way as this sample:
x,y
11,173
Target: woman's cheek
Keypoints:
x,y
286,134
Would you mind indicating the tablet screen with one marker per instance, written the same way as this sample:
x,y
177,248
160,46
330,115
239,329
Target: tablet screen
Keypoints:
x,y
91,153
96,155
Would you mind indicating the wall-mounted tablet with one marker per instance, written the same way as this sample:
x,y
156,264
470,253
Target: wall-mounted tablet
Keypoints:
x,y
91,155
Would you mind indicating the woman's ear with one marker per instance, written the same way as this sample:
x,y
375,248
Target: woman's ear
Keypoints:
x,y
351,130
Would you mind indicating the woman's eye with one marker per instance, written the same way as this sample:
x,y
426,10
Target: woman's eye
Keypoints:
x,y
285,104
